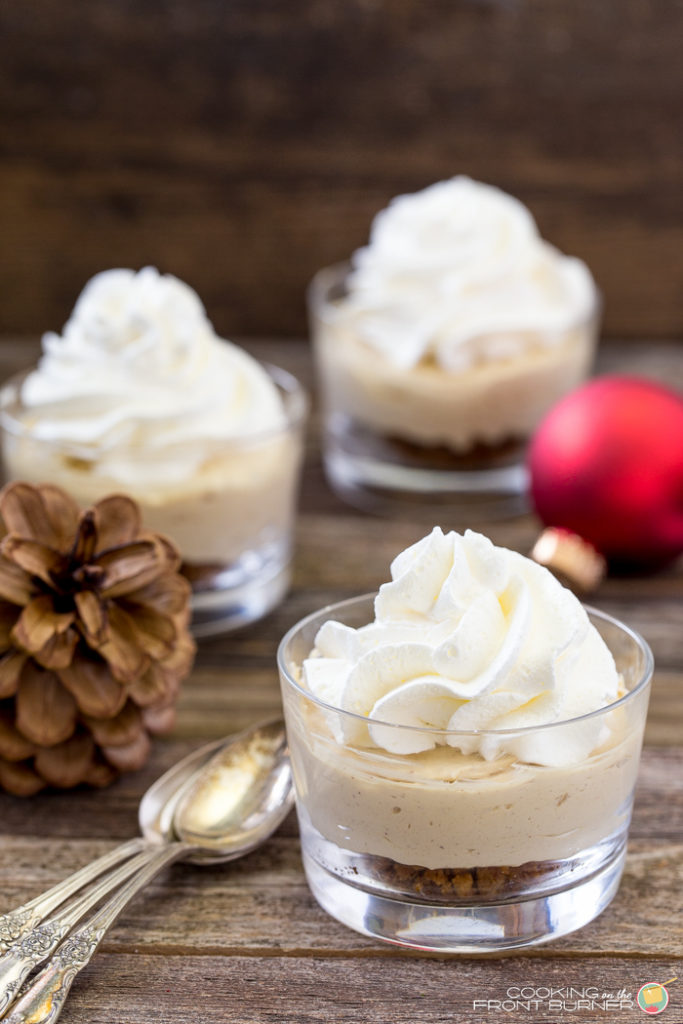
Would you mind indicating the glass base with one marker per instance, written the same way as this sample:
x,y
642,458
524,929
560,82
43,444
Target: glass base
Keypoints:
x,y
389,477
231,605
471,928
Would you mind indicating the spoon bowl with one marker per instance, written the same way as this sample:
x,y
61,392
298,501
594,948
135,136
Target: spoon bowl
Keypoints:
x,y
238,798
157,807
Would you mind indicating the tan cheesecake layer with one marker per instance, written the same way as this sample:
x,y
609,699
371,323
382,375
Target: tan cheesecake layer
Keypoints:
x,y
214,507
486,404
444,810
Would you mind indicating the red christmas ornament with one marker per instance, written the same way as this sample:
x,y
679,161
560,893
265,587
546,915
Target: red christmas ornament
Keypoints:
x,y
607,463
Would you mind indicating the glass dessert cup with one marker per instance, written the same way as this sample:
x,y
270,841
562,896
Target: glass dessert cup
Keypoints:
x,y
449,852
227,504
406,441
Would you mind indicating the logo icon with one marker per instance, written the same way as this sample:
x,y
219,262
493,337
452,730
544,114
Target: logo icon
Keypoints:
x,y
653,998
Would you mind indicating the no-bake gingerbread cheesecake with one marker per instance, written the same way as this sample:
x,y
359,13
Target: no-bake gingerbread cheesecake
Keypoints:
x,y
446,339
459,746
139,395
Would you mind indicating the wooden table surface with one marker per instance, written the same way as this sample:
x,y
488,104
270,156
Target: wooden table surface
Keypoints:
x,y
246,942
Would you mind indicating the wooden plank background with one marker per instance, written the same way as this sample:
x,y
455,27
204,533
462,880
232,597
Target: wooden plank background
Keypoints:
x,y
243,144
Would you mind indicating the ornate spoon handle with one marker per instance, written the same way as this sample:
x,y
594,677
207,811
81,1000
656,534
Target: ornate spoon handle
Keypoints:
x,y
43,1001
20,921
36,946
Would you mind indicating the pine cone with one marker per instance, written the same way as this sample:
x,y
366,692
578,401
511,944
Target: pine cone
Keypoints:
x,y
94,638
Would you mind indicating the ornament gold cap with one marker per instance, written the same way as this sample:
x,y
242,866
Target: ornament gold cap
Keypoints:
x,y
570,557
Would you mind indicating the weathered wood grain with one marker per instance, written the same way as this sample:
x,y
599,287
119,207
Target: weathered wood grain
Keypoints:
x,y
261,905
244,146
665,715
389,990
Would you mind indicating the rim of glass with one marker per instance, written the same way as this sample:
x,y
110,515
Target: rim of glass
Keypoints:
x,y
638,640
296,407
322,282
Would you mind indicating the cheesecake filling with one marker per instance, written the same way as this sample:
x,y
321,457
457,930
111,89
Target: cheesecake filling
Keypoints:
x,y
456,326
457,729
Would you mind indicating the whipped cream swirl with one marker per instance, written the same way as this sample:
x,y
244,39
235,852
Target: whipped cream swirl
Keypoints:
x,y
139,365
471,637
458,273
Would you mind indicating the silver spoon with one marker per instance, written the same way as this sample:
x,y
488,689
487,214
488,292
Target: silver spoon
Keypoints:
x,y
230,807
26,942
156,828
